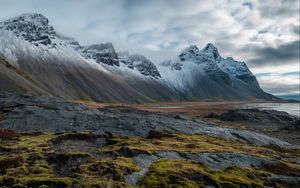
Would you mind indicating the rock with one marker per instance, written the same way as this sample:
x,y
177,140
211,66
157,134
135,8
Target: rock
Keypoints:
x,y
144,161
34,28
101,53
66,165
85,143
221,161
176,65
259,116
208,57
141,63
289,181
239,70
48,114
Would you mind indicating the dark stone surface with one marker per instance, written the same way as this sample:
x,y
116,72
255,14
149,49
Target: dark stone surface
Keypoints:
x,y
32,27
102,53
262,117
142,64
45,114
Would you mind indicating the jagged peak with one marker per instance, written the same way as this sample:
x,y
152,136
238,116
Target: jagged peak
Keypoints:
x,y
34,18
210,46
211,49
231,59
208,49
102,46
193,52
191,49
32,27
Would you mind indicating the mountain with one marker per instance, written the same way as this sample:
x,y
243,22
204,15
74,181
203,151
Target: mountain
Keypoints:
x,y
35,59
205,74
141,63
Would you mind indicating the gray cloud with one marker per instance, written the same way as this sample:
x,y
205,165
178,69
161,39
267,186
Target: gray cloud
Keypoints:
x,y
275,56
280,84
279,8
281,89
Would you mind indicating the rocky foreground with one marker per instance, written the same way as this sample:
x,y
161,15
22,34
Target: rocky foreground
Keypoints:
x,y
274,123
49,142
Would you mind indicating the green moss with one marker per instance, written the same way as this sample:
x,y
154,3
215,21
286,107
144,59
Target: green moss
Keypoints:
x,y
184,143
98,182
120,166
108,172
49,181
179,173
35,143
41,170
43,186
30,181
36,149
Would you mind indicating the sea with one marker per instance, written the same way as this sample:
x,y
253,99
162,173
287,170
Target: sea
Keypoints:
x,y
291,108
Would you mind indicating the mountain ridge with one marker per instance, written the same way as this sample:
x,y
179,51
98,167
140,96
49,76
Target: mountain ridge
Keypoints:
x,y
96,72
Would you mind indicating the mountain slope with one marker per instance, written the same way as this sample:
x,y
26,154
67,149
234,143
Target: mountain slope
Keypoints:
x,y
43,62
205,74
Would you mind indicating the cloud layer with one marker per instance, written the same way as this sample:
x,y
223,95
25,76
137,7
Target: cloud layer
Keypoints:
x,y
265,34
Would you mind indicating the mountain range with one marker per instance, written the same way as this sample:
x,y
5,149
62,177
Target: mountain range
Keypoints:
x,y
37,60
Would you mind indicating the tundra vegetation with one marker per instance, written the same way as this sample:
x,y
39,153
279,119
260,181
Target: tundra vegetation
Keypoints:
x,y
71,159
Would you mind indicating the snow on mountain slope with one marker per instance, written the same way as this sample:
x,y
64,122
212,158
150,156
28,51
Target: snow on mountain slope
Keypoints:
x,y
35,29
206,58
58,65
140,63
209,60
101,53
205,74
60,69
31,27
238,69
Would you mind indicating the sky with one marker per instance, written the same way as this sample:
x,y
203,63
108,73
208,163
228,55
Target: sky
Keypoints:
x,y
263,33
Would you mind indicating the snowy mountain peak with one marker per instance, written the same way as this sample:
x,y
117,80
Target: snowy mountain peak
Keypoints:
x,y
209,46
189,53
207,58
192,49
140,63
32,27
97,72
211,50
101,53
35,18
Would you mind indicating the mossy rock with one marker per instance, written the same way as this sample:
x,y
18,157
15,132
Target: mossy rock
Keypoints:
x,y
107,172
114,169
181,173
48,181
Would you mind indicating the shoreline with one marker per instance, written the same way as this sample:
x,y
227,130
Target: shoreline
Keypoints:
x,y
200,108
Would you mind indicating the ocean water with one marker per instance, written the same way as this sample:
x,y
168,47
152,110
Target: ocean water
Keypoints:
x,y
291,108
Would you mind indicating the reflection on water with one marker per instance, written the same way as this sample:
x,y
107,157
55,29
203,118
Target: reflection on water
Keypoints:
x,y
291,108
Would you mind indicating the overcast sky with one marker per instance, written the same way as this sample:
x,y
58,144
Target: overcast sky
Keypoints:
x,y
263,33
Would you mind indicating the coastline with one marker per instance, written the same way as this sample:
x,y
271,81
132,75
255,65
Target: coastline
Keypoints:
x,y
200,108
